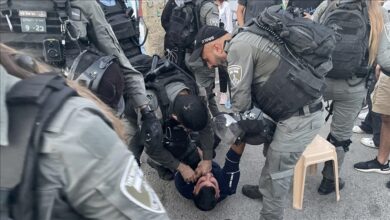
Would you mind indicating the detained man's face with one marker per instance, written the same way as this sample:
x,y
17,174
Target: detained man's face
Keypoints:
x,y
213,55
207,180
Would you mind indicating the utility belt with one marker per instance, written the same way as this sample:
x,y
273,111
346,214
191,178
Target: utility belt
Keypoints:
x,y
310,108
361,72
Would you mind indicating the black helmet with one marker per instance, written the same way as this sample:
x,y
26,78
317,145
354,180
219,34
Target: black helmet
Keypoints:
x,y
102,75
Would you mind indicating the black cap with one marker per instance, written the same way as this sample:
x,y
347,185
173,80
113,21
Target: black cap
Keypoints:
x,y
191,111
205,35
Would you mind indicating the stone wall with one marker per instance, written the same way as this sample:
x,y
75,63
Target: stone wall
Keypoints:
x,y
151,12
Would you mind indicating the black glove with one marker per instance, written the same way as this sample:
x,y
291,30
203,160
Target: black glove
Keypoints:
x,y
151,131
258,129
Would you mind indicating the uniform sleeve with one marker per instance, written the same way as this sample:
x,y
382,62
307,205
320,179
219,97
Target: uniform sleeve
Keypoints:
x,y
240,71
161,155
209,14
319,11
207,141
101,179
104,39
206,136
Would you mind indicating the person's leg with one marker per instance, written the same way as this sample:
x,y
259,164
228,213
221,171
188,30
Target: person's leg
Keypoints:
x,y
384,147
290,140
372,122
366,124
381,104
376,128
347,103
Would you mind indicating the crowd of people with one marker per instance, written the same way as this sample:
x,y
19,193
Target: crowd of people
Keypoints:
x,y
80,103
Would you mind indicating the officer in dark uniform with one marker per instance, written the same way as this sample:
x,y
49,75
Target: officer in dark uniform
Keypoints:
x,y
203,12
182,109
59,30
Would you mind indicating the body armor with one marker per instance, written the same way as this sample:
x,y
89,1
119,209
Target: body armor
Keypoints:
x,y
125,27
39,27
292,85
33,26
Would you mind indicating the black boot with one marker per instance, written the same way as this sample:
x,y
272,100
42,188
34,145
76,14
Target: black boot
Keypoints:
x,y
328,186
252,191
388,184
163,173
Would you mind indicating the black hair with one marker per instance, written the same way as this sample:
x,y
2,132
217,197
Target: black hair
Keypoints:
x,y
205,200
191,111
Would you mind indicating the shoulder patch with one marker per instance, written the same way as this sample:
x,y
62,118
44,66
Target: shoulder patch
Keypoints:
x,y
137,190
235,74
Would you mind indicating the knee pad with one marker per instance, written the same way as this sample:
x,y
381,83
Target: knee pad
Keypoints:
x,y
344,144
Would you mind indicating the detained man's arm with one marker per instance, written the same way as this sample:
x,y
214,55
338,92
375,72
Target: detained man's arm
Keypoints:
x,y
231,168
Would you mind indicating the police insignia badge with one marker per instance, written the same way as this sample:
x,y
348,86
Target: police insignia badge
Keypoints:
x,y
137,190
235,74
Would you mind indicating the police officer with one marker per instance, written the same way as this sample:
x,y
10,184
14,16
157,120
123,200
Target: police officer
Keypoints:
x,y
347,93
206,13
181,107
62,29
254,65
83,171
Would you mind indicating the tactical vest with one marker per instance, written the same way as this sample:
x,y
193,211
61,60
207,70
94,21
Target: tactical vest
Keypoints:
x,y
125,27
184,23
32,104
350,20
291,85
38,27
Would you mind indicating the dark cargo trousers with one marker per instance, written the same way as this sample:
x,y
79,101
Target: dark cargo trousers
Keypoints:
x,y
290,140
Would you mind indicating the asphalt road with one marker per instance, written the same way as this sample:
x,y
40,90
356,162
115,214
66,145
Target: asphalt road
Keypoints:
x,y
364,196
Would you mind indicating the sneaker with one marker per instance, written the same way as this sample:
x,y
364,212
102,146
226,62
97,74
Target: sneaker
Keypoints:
x,y
362,115
368,142
372,166
358,130
328,186
163,173
252,191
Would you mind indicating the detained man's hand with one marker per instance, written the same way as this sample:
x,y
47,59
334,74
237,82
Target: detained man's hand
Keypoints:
x,y
203,168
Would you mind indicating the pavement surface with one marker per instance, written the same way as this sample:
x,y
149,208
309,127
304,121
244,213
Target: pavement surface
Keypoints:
x,y
363,197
